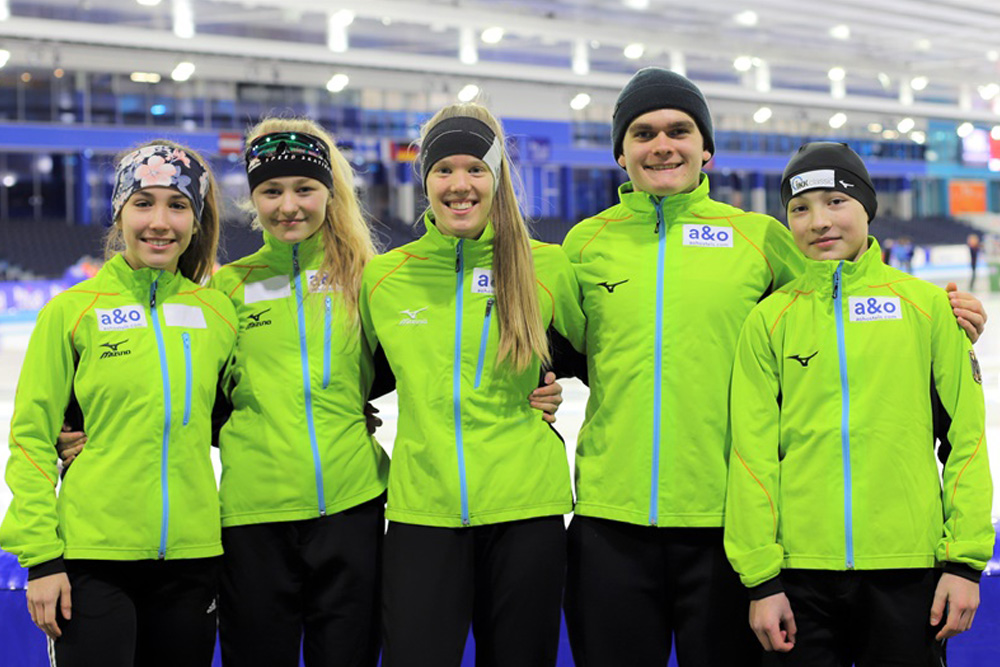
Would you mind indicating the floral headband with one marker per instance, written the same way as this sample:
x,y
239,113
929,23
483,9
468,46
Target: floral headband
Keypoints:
x,y
160,166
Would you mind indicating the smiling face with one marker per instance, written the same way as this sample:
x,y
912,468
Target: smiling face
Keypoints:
x,y
828,224
460,190
291,208
663,152
157,225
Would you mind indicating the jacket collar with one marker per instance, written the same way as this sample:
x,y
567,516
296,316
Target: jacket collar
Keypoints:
x,y
868,269
279,253
644,203
438,242
139,281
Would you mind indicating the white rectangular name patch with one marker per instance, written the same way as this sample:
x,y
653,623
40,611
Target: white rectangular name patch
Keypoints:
x,y
818,178
708,236
119,319
874,308
482,281
267,290
179,315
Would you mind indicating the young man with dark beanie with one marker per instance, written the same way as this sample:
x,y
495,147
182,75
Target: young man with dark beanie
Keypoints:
x,y
855,555
668,277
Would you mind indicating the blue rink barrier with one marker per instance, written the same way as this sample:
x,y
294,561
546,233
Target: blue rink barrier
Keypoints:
x,y
23,645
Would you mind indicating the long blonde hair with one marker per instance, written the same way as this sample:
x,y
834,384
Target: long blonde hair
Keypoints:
x,y
346,237
522,334
198,260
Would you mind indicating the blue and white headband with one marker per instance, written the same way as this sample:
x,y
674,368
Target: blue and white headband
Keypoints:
x,y
160,166
461,135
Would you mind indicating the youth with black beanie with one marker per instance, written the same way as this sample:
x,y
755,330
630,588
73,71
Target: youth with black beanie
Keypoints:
x,y
667,277
836,519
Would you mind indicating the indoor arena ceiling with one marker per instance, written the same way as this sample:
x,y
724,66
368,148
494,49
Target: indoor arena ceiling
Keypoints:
x,y
926,58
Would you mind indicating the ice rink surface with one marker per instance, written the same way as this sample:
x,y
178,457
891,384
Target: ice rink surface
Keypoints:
x,y
14,339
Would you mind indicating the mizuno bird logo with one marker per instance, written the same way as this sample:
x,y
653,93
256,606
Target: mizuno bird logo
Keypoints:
x,y
846,184
114,346
256,316
611,286
803,360
413,313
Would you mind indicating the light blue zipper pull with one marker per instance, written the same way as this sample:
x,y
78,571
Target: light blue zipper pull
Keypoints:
x,y
658,205
836,281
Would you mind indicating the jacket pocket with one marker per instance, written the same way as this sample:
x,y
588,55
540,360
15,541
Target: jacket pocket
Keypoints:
x,y
483,340
187,376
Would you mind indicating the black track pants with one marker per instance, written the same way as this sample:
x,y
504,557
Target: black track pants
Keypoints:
x,y
312,584
631,590
506,579
868,618
145,613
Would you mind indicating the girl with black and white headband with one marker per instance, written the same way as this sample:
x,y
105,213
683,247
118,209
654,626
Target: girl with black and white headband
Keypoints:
x,y
479,482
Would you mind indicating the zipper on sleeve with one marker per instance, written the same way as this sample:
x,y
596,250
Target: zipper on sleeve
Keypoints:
x,y
165,443
186,337
483,340
327,336
298,287
661,230
457,381
845,411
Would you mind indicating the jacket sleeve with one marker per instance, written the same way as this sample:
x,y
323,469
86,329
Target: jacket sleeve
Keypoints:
x,y
365,310
786,260
751,500
967,487
30,529
566,310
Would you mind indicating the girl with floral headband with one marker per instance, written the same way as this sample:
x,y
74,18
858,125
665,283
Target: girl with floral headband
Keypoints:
x,y
122,553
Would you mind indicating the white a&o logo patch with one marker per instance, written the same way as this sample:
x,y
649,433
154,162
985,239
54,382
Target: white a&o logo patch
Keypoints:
x,y
874,308
818,178
119,319
708,236
482,281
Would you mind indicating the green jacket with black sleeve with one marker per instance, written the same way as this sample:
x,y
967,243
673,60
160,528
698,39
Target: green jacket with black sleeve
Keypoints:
x,y
833,464
142,351
666,285
470,450
296,445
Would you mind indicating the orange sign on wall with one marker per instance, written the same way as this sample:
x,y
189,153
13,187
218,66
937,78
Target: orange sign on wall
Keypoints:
x,y
967,197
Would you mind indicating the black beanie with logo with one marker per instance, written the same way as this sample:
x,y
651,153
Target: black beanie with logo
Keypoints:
x,y
829,165
653,88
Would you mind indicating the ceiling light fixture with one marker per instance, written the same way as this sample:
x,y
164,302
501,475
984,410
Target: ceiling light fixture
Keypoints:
x,y
743,63
762,115
183,71
492,35
634,51
842,31
838,120
337,82
747,18
580,102
468,93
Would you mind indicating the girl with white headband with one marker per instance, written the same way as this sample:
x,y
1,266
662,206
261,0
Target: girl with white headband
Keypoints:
x,y
479,482
123,559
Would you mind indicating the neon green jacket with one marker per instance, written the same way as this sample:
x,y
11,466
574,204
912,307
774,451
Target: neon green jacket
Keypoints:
x,y
142,351
833,462
469,449
296,446
666,286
